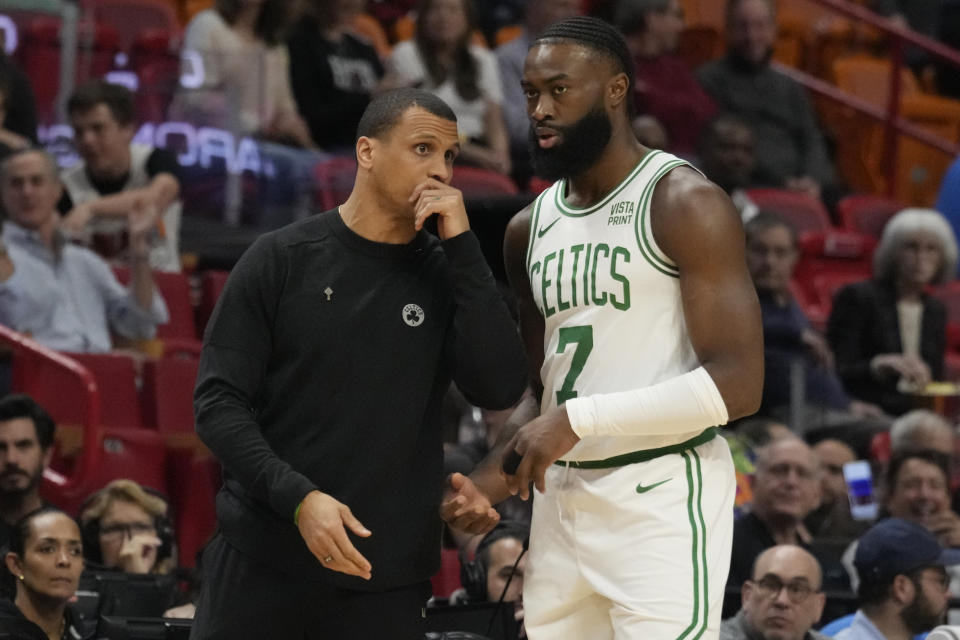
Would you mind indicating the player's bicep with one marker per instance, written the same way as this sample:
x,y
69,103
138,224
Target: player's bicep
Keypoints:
x,y
697,226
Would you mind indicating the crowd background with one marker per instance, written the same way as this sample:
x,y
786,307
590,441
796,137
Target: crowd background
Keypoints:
x,y
238,116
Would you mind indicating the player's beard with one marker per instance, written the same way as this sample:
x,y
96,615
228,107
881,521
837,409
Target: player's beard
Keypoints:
x,y
581,144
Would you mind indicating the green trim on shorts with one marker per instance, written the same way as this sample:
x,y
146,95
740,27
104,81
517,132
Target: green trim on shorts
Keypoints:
x,y
643,455
698,531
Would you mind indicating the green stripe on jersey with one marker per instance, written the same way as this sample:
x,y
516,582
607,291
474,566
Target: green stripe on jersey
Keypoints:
x,y
567,210
640,226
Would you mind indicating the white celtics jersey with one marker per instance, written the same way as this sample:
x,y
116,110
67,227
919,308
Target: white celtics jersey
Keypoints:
x,y
610,299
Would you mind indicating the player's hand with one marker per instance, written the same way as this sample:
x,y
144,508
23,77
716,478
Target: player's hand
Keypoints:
x,y
139,553
465,507
322,524
433,197
540,443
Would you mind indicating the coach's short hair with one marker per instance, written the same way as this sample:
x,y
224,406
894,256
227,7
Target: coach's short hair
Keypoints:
x,y
385,110
20,405
598,36
900,228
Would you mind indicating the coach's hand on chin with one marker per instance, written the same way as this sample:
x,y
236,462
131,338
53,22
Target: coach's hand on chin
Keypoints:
x,y
465,507
433,197
536,446
322,521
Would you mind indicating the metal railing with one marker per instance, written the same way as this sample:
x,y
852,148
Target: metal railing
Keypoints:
x,y
894,124
75,484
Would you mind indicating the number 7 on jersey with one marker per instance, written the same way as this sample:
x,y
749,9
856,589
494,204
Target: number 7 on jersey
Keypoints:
x,y
582,337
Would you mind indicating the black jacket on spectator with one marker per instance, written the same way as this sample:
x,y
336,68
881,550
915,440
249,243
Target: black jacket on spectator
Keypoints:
x,y
14,626
863,324
20,104
332,82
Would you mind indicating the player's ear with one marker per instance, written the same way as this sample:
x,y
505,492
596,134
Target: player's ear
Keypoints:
x,y
366,150
617,89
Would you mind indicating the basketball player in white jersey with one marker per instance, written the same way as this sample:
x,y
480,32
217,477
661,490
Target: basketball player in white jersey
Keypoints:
x,y
641,321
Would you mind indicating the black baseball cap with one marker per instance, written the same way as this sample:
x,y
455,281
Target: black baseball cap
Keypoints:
x,y
894,546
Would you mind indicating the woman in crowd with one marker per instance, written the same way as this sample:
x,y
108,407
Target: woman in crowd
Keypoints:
x,y
888,334
236,72
441,59
334,72
44,560
126,528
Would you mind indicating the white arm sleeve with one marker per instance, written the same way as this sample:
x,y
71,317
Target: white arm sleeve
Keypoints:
x,y
679,405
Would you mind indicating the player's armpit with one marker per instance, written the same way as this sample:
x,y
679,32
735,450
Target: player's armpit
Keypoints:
x,y
516,239
698,228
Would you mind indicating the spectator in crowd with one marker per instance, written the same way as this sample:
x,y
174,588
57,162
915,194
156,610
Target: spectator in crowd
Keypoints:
x,y
116,176
948,200
832,520
236,72
333,71
650,133
789,145
538,15
786,489
922,429
44,562
65,296
26,444
496,562
19,116
442,60
904,583
664,88
920,15
788,338
127,527
918,489
728,157
782,600
888,334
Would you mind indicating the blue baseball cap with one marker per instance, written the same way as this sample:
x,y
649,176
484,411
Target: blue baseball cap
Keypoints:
x,y
894,546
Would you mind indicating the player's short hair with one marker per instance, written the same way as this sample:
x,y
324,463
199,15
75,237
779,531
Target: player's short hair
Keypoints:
x,y
385,110
599,36
118,99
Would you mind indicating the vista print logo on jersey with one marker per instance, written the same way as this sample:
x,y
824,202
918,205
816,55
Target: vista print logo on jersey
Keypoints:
x,y
413,315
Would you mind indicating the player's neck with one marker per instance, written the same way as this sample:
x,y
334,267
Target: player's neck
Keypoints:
x,y
370,219
614,165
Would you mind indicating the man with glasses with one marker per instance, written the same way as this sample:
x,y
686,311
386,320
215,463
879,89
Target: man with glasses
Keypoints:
x,y
782,599
903,582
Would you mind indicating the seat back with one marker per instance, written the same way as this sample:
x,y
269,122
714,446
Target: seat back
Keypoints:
x,y
132,17
803,212
333,182
831,258
474,181
867,214
175,289
168,393
868,78
116,375
212,283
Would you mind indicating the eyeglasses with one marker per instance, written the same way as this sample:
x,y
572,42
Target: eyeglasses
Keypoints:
x,y
770,586
126,530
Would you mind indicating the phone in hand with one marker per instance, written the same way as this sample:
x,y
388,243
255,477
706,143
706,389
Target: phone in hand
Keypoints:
x,y
859,480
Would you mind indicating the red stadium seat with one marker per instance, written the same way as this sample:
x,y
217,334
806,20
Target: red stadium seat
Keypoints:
x,y
116,375
827,284
473,181
880,448
832,256
800,210
168,393
867,213
175,289
158,70
211,285
538,185
192,488
333,182
132,17
447,580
